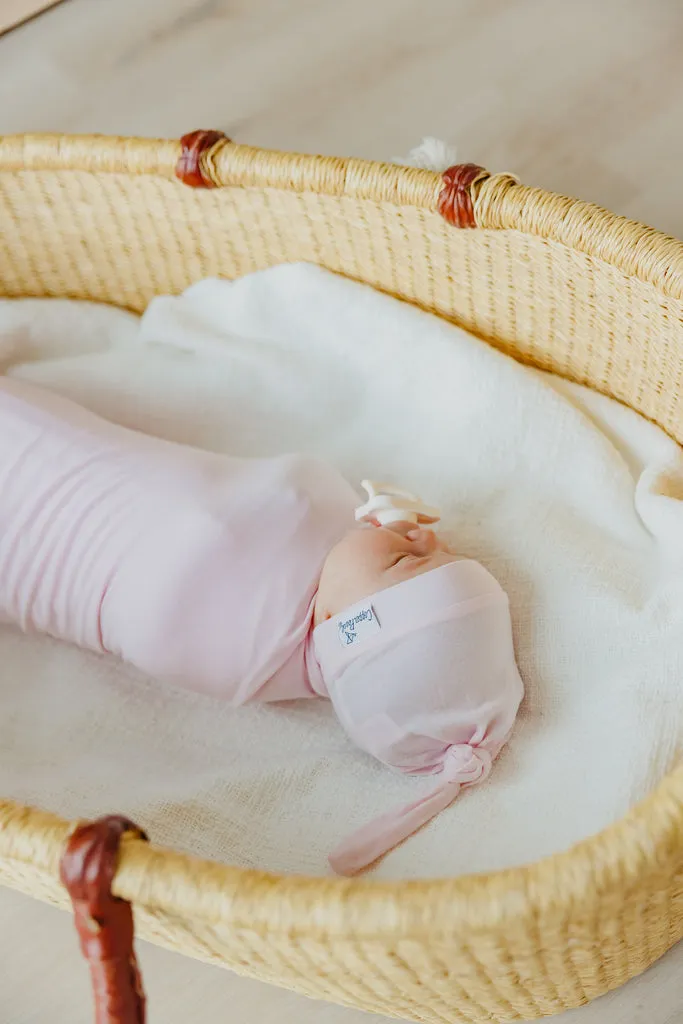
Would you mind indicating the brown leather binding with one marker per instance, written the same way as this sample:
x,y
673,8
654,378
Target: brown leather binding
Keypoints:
x,y
189,167
104,922
455,198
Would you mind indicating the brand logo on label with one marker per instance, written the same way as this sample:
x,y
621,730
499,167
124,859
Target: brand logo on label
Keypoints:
x,y
357,624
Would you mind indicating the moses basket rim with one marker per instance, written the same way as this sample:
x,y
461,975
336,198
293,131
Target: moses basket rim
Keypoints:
x,y
642,850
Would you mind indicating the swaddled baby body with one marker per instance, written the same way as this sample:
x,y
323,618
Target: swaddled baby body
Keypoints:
x,y
249,579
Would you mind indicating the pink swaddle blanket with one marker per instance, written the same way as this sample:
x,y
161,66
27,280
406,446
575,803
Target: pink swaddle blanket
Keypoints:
x,y
197,568
203,569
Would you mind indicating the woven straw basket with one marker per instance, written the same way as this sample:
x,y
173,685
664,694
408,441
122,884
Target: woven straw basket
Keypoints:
x,y
560,284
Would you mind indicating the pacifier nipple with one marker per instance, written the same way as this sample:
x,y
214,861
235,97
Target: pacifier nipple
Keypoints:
x,y
387,504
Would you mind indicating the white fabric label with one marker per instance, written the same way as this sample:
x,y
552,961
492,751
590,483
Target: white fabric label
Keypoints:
x,y
358,624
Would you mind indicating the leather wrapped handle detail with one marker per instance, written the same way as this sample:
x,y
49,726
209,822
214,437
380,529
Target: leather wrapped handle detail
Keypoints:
x,y
103,921
455,198
191,168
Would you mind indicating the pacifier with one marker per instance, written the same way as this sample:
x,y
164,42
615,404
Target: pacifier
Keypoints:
x,y
387,504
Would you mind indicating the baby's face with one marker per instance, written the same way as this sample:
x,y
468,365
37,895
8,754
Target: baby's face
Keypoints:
x,y
372,559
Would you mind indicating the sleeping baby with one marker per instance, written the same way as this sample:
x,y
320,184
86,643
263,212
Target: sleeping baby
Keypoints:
x,y
258,579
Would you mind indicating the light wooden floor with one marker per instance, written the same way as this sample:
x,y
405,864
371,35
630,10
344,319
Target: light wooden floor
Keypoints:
x,y
580,96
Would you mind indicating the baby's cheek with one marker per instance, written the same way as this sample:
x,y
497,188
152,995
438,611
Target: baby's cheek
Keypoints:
x,y
375,548
365,579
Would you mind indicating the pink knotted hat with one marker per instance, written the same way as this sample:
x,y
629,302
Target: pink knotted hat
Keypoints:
x,y
422,676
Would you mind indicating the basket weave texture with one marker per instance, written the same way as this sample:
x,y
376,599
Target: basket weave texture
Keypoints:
x,y
559,284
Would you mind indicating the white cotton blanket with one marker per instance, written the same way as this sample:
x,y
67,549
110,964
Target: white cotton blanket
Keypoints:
x,y
572,501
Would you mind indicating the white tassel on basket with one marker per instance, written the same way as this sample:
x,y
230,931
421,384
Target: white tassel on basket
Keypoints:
x,y
431,155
